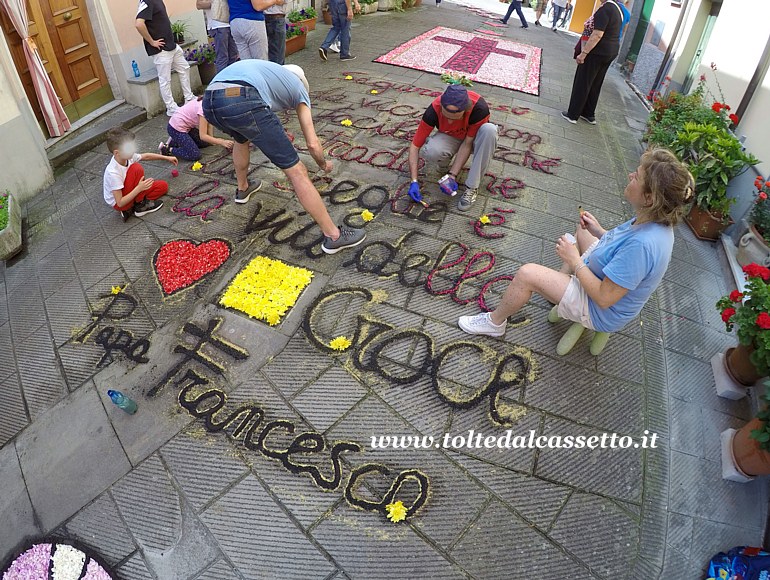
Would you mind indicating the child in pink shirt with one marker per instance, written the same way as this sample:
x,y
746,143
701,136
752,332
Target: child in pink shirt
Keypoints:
x,y
189,132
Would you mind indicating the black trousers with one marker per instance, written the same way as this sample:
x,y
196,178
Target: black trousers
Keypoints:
x,y
587,85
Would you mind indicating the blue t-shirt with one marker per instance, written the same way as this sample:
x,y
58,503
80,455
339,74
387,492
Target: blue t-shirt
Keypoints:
x,y
244,9
634,257
279,88
626,19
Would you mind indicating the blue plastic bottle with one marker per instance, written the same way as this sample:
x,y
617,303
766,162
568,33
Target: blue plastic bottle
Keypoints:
x,y
136,68
123,402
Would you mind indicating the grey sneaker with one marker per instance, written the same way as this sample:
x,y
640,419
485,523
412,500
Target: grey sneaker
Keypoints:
x,y
481,324
322,53
467,199
348,57
242,196
590,120
566,117
147,206
349,237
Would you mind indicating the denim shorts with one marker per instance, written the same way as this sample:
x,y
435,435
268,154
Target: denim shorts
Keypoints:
x,y
241,113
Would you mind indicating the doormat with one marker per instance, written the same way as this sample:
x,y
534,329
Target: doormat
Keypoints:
x,y
498,62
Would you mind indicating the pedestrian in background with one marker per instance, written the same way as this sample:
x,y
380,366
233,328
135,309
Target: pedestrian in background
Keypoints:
x,y
515,5
217,15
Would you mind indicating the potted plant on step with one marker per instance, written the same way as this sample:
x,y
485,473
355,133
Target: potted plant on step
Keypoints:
x,y
368,6
296,36
306,17
754,247
751,444
204,56
10,226
750,312
178,29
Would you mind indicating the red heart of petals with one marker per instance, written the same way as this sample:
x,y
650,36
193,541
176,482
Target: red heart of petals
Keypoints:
x,y
182,263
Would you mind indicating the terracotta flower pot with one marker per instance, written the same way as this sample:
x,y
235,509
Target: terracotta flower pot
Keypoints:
x,y
295,44
309,23
739,366
707,225
749,457
327,17
753,248
207,71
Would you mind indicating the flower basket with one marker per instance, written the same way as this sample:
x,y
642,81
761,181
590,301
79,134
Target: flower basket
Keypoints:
x,y
295,44
10,235
308,23
304,17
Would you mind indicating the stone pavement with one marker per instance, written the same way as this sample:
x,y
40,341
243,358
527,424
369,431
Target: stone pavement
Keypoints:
x,y
199,484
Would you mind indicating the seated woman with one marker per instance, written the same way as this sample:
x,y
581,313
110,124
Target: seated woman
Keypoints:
x,y
618,270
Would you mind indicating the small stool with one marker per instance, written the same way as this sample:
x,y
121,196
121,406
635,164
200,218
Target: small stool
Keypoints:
x,y
573,334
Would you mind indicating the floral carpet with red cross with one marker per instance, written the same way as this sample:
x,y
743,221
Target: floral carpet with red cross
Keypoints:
x,y
482,59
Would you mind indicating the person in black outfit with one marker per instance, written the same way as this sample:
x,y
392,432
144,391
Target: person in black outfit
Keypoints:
x,y
515,5
597,55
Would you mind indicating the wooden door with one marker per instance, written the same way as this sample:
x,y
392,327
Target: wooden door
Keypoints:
x,y
65,40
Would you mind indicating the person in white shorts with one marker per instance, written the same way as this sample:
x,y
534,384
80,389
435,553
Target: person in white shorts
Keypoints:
x,y
608,285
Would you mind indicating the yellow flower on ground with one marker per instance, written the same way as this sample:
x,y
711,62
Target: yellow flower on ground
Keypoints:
x,y
396,511
348,78
197,166
367,216
346,122
374,91
266,289
484,219
340,343
116,289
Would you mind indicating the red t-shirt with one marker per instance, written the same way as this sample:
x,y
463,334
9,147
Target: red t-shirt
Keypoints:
x,y
467,126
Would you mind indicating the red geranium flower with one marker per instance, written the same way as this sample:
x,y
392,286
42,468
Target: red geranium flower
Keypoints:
x,y
767,183
757,271
763,320
762,195
727,314
733,117
735,296
716,107
726,106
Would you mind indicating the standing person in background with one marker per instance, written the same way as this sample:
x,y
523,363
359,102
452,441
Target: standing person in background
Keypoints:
x,y
342,15
247,24
219,30
558,9
153,24
567,14
625,7
593,62
539,9
515,5
275,23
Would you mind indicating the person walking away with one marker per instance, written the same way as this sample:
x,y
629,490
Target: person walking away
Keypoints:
x,y
219,30
558,9
154,26
242,101
515,5
342,15
593,62
462,120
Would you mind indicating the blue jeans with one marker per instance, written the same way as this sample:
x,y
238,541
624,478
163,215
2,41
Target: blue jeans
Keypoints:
x,y
340,27
241,113
557,12
224,45
276,38
516,5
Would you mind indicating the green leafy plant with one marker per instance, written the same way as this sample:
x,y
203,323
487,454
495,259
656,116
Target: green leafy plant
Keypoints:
x,y
760,211
4,209
205,53
293,30
456,79
750,312
303,14
714,156
762,435
179,27
362,2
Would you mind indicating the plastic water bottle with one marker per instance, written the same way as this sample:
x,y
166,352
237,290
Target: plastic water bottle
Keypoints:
x,y
123,402
136,68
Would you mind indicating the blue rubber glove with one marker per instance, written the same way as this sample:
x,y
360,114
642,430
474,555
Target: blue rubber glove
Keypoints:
x,y
414,192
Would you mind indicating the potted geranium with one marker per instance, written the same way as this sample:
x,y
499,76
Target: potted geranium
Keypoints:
x,y
10,226
204,56
754,246
751,444
750,312
296,36
305,17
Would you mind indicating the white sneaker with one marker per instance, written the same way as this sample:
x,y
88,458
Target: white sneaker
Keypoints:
x,y
481,324
335,46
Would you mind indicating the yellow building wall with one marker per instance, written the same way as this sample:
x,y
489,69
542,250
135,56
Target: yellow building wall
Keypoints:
x,y
581,12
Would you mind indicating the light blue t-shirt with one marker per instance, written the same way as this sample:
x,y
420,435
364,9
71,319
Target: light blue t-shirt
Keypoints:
x,y
279,88
626,19
636,258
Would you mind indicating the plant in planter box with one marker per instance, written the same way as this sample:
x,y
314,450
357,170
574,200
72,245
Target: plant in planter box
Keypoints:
x,y
292,30
178,29
303,14
750,312
204,56
296,37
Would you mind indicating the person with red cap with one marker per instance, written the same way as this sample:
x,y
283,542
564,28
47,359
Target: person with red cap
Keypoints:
x,y
462,119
